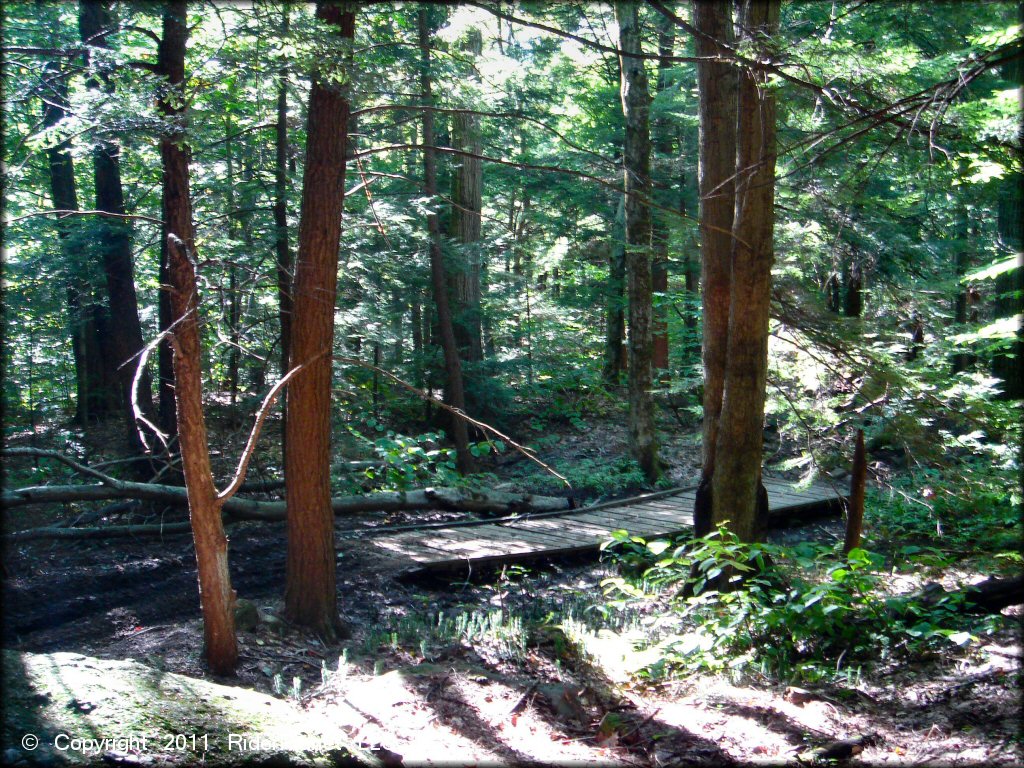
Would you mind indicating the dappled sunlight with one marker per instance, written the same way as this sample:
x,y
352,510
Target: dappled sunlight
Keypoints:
x,y
595,383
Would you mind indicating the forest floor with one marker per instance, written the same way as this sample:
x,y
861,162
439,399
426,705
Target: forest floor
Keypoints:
x,y
495,690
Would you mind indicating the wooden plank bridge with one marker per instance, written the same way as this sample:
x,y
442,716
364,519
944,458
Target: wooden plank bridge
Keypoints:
x,y
528,536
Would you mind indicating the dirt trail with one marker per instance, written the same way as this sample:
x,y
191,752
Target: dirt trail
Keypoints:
x,y
58,597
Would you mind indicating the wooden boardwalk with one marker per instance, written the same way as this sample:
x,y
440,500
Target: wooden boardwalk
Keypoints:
x,y
525,537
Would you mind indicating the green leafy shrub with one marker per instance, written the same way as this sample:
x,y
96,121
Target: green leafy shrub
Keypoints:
x,y
406,462
412,461
598,477
791,612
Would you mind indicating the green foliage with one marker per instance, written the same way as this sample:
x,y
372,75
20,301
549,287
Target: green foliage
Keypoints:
x,y
973,514
800,613
597,477
406,462
503,634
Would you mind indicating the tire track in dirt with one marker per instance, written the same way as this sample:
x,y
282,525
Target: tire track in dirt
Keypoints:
x,y
58,598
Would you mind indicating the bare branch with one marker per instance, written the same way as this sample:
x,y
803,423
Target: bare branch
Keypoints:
x,y
104,214
579,38
616,187
140,417
64,459
481,113
261,416
48,52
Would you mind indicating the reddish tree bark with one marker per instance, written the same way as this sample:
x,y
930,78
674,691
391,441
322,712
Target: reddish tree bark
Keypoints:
x,y
310,590
737,493
217,598
716,85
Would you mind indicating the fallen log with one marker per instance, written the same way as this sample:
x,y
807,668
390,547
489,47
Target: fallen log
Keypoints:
x,y
102,531
238,508
989,596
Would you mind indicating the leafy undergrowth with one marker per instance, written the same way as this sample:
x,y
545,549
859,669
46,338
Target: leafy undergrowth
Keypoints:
x,y
629,661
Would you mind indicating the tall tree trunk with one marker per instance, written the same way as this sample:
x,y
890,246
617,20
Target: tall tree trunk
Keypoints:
x,y
115,242
636,102
1009,302
281,246
716,86
89,385
663,145
416,321
453,365
1009,287
217,598
310,591
467,204
737,492
232,309
855,504
615,315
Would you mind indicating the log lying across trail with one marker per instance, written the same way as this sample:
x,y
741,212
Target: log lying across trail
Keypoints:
x,y
989,596
236,508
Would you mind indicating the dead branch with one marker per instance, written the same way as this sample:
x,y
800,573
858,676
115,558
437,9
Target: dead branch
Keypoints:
x,y
254,435
41,453
237,508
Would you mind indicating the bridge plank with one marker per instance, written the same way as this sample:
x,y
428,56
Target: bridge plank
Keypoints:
x,y
578,530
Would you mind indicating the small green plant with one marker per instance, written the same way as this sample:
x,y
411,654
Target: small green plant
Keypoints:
x,y
416,633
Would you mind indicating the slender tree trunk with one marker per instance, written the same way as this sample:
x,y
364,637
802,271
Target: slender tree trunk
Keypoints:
x,y
853,300
664,133
737,493
281,246
615,315
716,85
397,315
232,314
467,204
453,365
217,598
832,293
1009,287
963,302
636,102
855,505
115,242
310,592
416,321
165,358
